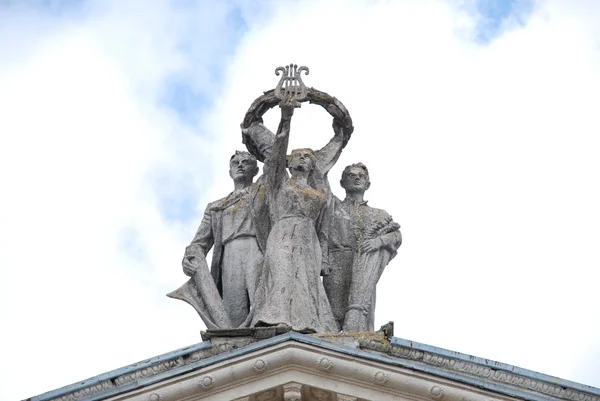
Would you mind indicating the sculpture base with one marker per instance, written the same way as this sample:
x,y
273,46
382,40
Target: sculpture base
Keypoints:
x,y
253,334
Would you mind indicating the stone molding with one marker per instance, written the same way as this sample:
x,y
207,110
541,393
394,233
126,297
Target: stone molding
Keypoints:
x,y
398,364
292,365
489,371
136,372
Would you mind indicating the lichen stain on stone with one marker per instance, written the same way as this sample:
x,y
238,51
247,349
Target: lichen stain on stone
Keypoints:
x,y
239,204
307,190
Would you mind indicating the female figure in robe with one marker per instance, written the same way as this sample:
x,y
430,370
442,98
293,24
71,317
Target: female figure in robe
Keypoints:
x,y
290,292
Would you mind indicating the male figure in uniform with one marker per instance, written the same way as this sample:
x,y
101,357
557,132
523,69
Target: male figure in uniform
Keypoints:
x,y
229,227
362,241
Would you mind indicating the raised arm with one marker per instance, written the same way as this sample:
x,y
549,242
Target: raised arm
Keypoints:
x,y
259,140
275,163
330,153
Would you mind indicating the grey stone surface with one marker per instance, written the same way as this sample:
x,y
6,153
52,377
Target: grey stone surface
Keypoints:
x,y
273,240
290,291
259,140
232,227
389,367
362,241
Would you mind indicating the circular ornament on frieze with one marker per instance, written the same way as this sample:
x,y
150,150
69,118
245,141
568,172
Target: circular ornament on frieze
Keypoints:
x,y
436,392
154,397
207,382
259,365
324,364
380,378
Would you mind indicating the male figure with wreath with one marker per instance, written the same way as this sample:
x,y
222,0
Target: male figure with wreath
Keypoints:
x,y
362,241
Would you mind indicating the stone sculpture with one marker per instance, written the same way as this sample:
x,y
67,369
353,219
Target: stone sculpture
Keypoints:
x,y
230,227
362,241
272,240
291,292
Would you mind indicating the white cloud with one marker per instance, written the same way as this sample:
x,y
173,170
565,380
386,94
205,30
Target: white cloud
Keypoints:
x,y
484,153
87,256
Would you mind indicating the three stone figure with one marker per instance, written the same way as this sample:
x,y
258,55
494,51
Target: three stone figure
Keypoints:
x,y
286,251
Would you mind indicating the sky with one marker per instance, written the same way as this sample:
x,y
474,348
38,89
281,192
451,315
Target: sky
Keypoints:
x,y
478,120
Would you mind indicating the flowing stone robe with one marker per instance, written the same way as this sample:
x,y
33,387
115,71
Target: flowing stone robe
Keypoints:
x,y
228,226
203,294
290,291
236,228
353,276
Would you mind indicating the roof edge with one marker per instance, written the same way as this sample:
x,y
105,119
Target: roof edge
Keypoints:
x,y
483,373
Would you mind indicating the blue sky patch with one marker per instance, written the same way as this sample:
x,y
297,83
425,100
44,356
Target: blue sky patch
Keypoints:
x,y
496,13
207,52
186,101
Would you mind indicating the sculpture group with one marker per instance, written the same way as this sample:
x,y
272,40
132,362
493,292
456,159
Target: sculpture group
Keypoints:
x,y
286,251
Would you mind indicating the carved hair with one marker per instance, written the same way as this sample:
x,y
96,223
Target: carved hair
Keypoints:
x,y
242,153
313,158
359,165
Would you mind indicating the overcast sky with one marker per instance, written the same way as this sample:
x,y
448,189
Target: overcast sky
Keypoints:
x,y
478,119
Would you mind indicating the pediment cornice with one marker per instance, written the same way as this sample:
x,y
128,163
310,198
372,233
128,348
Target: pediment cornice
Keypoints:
x,y
269,370
363,363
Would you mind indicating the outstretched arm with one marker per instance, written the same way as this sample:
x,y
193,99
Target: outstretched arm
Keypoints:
x,y
275,163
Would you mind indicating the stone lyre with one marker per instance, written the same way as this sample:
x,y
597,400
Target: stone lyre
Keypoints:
x,y
290,86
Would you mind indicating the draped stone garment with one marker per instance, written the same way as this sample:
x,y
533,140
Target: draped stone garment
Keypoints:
x,y
236,228
290,291
353,276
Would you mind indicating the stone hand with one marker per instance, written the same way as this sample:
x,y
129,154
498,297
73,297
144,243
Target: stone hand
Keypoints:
x,y
370,245
188,268
287,110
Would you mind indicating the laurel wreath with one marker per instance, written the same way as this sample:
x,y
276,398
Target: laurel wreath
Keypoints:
x,y
268,100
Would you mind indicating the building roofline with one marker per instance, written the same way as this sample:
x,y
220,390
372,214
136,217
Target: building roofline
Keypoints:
x,y
483,373
531,374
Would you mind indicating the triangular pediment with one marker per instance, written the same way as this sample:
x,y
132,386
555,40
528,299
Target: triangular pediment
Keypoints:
x,y
272,374
336,367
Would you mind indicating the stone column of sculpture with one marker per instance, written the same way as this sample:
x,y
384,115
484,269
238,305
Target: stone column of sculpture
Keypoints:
x,y
362,241
229,228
